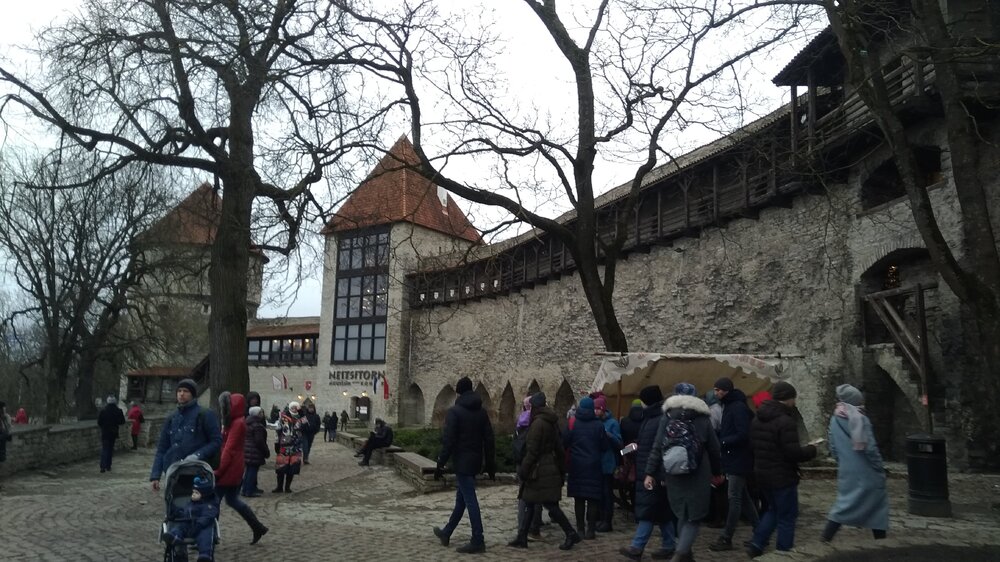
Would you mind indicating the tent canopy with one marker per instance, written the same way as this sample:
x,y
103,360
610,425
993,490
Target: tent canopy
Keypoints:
x,y
625,374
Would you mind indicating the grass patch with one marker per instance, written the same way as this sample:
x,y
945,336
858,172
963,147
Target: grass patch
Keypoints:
x,y
426,442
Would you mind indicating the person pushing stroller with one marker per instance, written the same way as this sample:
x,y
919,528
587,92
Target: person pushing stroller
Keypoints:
x,y
196,520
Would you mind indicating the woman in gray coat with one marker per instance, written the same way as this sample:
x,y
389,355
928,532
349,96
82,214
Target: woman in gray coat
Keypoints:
x,y
689,494
861,496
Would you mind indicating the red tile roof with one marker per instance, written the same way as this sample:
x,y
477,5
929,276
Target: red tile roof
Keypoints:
x,y
193,221
393,192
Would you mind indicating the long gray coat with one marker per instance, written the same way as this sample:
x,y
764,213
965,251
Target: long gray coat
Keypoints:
x,y
690,494
861,495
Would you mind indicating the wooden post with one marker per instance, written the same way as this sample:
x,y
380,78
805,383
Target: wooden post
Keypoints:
x,y
811,107
795,121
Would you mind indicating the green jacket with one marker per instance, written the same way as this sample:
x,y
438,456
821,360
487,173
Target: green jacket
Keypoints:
x,y
542,471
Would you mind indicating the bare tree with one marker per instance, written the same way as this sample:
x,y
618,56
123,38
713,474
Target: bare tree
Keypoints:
x,y
640,71
962,49
249,92
71,251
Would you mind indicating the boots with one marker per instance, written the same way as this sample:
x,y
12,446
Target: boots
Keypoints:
x,y
288,483
520,541
258,528
686,557
559,518
281,485
571,539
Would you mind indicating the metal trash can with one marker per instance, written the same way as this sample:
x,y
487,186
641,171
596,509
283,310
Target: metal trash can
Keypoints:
x,y
927,471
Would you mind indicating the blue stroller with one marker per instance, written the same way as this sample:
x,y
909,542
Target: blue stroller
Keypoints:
x,y
179,483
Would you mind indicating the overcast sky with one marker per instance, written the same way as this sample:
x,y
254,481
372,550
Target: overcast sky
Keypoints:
x,y
526,53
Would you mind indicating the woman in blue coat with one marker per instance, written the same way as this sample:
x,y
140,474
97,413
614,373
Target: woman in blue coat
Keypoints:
x,y
861,495
586,442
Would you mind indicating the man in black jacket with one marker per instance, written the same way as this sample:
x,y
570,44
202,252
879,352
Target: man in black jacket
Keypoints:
x,y
467,439
777,453
109,420
737,458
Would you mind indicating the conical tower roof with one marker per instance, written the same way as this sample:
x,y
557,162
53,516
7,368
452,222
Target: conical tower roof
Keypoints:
x,y
393,192
193,221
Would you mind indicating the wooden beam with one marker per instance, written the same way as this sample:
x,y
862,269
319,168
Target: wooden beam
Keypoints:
x,y
811,107
659,213
795,121
715,192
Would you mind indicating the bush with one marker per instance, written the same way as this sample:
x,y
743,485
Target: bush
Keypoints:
x,y
426,442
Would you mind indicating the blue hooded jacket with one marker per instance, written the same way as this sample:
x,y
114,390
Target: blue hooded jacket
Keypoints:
x,y
181,436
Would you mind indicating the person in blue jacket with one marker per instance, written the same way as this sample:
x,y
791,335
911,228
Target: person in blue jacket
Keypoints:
x,y
585,442
609,462
737,458
196,520
192,432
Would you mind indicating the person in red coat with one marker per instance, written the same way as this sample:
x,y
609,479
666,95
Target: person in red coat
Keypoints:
x,y
135,416
21,417
229,475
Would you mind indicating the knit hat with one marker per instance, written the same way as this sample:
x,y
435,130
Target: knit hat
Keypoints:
x,y
724,383
112,400
464,385
637,402
203,485
190,385
256,411
600,403
293,406
586,403
685,389
537,400
760,397
651,395
850,395
783,391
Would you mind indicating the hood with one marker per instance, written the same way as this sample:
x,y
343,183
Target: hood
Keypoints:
x,y
734,395
544,413
585,414
692,404
654,411
237,407
253,399
772,409
635,413
470,401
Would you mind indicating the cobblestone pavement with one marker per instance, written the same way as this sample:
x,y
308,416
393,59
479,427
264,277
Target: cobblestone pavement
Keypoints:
x,y
342,511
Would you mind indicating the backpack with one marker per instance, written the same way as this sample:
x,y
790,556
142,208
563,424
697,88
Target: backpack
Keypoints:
x,y
682,449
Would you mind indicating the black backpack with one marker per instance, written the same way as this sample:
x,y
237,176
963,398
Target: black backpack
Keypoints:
x,y
681,447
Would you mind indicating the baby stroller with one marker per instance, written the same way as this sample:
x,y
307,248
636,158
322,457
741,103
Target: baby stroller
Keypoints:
x,y
177,489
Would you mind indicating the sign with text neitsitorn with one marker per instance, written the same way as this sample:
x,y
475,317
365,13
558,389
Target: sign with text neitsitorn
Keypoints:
x,y
354,377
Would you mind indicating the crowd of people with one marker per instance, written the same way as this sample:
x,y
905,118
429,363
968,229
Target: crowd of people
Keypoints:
x,y
673,454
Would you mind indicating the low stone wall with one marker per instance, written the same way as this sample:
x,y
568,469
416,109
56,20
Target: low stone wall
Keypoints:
x,y
40,446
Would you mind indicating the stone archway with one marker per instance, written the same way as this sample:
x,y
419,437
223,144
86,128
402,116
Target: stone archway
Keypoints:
x,y
445,399
507,416
892,401
484,395
565,398
533,388
413,406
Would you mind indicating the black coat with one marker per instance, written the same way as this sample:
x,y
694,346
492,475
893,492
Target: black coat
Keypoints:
x,y
110,421
734,434
311,428
541,472
630,425
467,438
650,505
777,453
586,444
255,449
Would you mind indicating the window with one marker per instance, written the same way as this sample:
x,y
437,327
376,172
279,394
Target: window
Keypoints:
x,y
362,297
289,350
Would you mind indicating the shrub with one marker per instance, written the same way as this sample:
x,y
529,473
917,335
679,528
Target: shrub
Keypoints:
x,y
426,442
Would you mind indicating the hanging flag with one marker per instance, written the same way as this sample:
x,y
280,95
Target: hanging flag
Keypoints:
x,y
284,382
385,389
275,382
375,384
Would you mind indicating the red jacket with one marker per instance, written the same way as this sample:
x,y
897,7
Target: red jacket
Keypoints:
x,y
230,471
21,417
135,414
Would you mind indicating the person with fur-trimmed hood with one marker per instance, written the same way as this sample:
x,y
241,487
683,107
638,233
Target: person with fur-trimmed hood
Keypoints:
x,y
689,494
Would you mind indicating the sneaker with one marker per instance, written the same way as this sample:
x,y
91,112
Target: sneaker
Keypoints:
x,y
721,543
631,552
439,533
535,536
753,552
472,548
662,554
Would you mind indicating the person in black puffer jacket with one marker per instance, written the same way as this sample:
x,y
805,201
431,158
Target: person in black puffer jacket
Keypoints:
x,y
586,442
737,458
467,440
255,451
651,506
774,436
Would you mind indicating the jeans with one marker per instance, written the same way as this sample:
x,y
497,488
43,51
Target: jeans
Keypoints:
x,y
107,450
783,509
250,479
465,498
307,443
644,529
739,503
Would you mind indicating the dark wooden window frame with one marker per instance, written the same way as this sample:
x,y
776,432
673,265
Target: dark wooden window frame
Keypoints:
x,y
361,297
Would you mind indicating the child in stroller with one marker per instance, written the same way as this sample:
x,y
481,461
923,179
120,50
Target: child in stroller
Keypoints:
x,y
192,512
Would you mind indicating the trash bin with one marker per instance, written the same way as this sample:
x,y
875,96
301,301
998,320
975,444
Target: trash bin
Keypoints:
x,y
927,471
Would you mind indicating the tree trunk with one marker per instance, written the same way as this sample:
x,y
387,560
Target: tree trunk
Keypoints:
x,y
601,303
84,392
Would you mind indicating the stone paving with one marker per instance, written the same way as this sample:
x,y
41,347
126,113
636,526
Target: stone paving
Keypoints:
x,y
342,511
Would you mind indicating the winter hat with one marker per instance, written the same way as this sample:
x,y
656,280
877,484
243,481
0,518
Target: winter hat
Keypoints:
x,y
586,403
203,485
783,391
293,406
760,397
725,383
112,400
190,385
850,395
256,411
464,385
685,389
651,395
637,402
537,400
600,403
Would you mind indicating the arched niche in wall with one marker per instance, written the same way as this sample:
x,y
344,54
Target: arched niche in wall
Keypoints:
x,y
484,395
564,399
533,388
507,416
413,406
445,399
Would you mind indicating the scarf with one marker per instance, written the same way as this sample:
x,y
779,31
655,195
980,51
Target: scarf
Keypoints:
x,y
855,417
